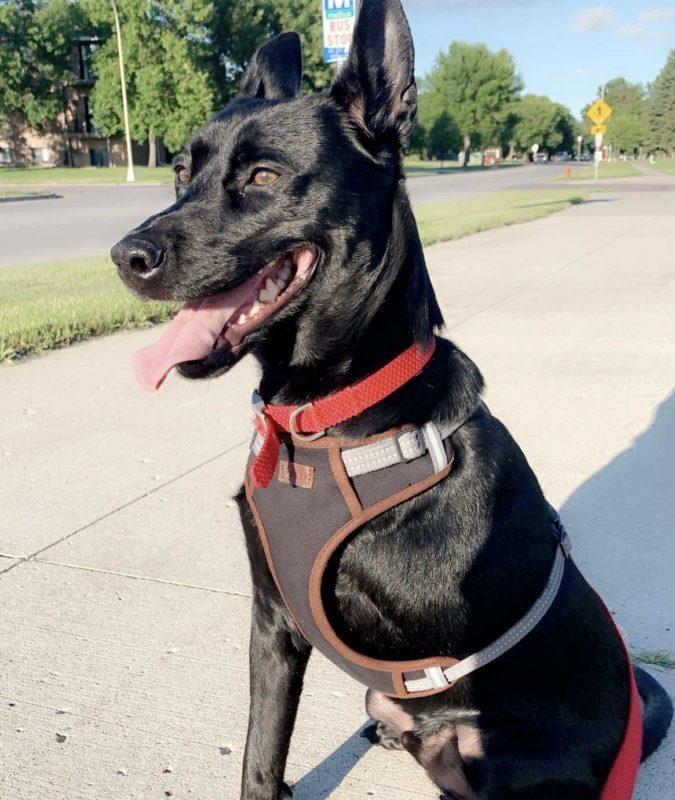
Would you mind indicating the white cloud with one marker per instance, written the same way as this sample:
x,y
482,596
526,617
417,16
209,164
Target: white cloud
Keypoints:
x,y
656,15
597,18
632,31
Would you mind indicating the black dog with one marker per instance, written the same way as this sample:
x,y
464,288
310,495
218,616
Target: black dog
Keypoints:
x,y
314,186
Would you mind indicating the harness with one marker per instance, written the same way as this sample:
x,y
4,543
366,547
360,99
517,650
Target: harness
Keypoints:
x,y
309,492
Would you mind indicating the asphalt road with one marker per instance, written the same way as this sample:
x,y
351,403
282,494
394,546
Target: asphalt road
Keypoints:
x,y
88,220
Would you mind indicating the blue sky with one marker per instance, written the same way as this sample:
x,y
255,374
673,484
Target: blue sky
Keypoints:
x,y
562,49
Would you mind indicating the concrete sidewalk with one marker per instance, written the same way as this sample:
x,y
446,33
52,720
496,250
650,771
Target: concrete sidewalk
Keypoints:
x,y
124,589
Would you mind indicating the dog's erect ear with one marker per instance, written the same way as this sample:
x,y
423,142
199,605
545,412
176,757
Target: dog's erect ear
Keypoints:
x,y
376,85
275,70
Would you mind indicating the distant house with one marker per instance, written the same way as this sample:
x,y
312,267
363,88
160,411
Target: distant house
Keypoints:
x,y
74,141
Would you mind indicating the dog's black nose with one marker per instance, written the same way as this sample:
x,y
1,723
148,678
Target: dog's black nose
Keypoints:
x,y
139,256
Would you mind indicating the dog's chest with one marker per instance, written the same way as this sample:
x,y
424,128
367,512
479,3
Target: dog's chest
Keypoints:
x,y
307,511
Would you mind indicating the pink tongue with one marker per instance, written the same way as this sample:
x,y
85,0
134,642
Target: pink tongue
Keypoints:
x,y
192,335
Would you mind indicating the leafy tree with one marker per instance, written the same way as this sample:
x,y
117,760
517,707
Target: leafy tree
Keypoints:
x,y
627,127
477,88
661,127
166,56
419,139
35,51
539,120
238,28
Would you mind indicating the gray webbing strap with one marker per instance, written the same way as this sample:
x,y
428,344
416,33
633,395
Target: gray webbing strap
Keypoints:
x,y
396,449
401,448
436,678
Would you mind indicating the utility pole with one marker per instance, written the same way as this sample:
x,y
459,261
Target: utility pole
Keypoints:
x,y
131,177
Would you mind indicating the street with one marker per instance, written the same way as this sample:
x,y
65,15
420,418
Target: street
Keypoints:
x,y
88,220
124,581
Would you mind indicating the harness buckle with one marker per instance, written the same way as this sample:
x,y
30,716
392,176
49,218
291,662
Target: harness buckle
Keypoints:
x,y
292,424
399,448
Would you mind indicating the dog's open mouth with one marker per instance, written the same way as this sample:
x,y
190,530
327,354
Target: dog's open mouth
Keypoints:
x,y
219,325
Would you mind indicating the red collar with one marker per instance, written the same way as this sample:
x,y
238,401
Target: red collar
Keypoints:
x,y
310,421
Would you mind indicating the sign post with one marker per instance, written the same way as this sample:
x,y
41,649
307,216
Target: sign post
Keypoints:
x,y
339,19
598,113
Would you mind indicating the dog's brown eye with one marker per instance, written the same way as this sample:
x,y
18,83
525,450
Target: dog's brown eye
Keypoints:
x,y
183,174
264,177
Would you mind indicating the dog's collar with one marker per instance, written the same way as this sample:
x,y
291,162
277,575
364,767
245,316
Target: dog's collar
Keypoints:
x,y
311,421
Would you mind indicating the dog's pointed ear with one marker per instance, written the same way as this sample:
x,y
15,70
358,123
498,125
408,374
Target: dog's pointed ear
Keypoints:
x,y
275,71
376,85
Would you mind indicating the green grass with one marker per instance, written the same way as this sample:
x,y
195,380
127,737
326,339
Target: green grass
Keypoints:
x,y
443,222
45,306
415,166
666,165
46,176
614,169
50,305
655,658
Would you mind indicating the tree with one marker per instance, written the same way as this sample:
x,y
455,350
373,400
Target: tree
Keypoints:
x,y
627,126
35,51
240,27
661,125
541,121
477,88
166,54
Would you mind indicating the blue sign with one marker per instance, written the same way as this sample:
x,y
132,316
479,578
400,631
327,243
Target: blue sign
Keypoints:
x,y
339,17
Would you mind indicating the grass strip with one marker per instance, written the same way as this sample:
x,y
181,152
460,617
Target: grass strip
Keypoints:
x,y
54,304
60,176
614,169
444,222
666,165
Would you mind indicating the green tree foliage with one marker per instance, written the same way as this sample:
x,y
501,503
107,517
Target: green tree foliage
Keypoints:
x,y
477,89
35,60
661,108
240,27
168,70
627,127
541,121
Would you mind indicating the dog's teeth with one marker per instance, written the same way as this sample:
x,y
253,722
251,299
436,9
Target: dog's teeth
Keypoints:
x,y
257,307
285,271
265,296
281,283
272,288
242,319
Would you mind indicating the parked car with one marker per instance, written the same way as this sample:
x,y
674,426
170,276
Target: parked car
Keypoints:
x,y
586,157
563,155
541,158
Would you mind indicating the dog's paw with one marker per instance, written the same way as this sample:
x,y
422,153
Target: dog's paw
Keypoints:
x,y
384,736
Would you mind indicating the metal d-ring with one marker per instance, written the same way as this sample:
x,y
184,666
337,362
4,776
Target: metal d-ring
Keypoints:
x,y
302,437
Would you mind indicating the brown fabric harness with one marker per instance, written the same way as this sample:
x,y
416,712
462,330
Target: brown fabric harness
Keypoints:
x,y
308,510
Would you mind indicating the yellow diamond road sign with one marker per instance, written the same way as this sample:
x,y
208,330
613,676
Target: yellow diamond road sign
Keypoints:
x,y
599,112
598,129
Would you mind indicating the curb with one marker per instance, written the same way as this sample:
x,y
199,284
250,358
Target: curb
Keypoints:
x,y
18,198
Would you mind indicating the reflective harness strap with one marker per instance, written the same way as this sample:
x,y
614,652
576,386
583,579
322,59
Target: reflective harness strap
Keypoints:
x,y
436,677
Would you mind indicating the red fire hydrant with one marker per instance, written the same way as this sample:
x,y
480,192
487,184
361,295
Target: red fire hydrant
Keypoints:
x,y
568,171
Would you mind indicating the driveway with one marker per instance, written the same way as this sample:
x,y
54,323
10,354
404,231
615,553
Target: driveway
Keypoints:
x,y
124,588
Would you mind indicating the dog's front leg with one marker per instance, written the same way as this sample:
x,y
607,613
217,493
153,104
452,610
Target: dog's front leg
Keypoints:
x,y
278,658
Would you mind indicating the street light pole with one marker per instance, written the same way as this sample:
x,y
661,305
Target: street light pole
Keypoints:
x,y
131,177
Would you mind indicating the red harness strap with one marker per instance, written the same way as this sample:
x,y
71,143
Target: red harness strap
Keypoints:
x,y
620,782
334,409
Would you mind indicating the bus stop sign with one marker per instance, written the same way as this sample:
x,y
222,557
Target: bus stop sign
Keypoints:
x,y
339,18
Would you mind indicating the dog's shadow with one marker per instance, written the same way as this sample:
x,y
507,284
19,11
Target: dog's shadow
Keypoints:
x,y
324,779
629,500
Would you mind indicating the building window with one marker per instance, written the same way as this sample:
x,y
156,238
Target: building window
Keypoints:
x,y
40,155
85,50
5,155
99,157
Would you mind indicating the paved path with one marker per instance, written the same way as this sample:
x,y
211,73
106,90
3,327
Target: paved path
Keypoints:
x,y
124,593
88,220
